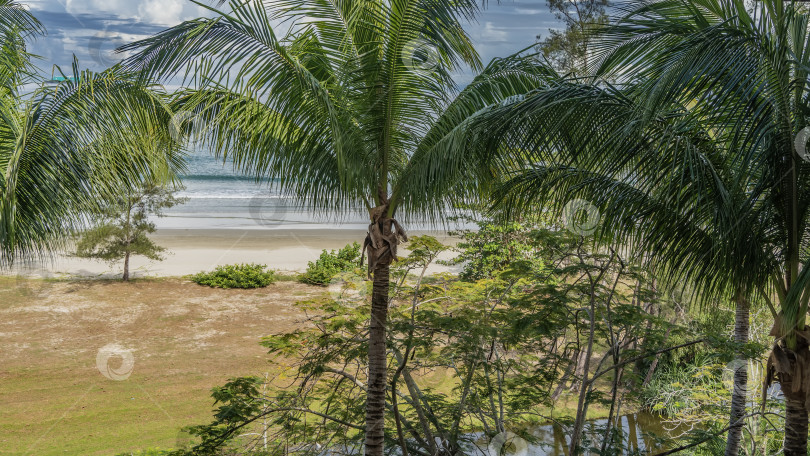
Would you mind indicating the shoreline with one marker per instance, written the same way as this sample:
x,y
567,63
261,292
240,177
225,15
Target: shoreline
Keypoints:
x,y
189,251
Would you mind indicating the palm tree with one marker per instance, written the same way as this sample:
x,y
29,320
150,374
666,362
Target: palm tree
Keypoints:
x,y
65,147
665,187
743,76
353,107
750,70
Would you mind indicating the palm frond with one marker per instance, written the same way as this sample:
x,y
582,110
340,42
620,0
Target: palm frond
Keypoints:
x,y
69,149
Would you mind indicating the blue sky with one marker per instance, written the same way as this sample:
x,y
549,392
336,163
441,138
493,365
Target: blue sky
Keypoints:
x,y
90,29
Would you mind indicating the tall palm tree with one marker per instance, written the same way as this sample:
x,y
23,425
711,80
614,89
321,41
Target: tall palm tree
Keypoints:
x,y
663,182
353,107
750,69
66,147
744,76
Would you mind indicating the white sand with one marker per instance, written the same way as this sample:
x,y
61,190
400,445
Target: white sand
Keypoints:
x,y
195,250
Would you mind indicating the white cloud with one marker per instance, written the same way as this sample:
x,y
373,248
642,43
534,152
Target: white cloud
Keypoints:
x,y
528,11
121,8
90,28
491,32
158,12
163,12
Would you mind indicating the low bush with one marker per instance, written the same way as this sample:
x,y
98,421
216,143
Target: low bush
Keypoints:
x,y
236,276
330,264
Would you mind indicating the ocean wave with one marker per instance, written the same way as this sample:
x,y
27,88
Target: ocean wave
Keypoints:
x,y
212,176
218,196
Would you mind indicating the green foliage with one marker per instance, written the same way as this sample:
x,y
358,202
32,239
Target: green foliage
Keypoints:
x,y
693,399
452,340
330,264
496,247
68,146
568,49
236,276
123,225
301,109
683,390
464,355
692,389
423,252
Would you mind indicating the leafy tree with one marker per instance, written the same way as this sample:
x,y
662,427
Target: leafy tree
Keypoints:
x,y
355,107
695,390
492,247
469,356
123,227
702,59
695,161
692,241
66,147
568,50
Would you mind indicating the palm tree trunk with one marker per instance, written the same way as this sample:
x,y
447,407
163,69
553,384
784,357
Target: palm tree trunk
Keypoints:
x,y
377,363
795,426
738,396
786,366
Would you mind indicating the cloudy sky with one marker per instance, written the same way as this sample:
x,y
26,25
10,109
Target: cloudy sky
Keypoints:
x,y
90,29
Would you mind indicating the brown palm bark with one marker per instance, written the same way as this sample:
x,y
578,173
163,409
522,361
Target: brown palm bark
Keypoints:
x,y
738,396
788,367
384,234
795,398
795,426
377,363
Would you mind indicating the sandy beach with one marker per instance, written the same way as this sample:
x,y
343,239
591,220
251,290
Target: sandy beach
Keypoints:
x,y
193,250
228,218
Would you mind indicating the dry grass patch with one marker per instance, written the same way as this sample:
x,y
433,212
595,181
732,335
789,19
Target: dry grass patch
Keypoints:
x,y
184,339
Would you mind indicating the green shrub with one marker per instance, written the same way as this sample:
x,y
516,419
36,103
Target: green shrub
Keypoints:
x,y
683,389
330,264
236,276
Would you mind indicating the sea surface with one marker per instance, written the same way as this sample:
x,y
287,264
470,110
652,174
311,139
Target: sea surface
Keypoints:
x,y
218,197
